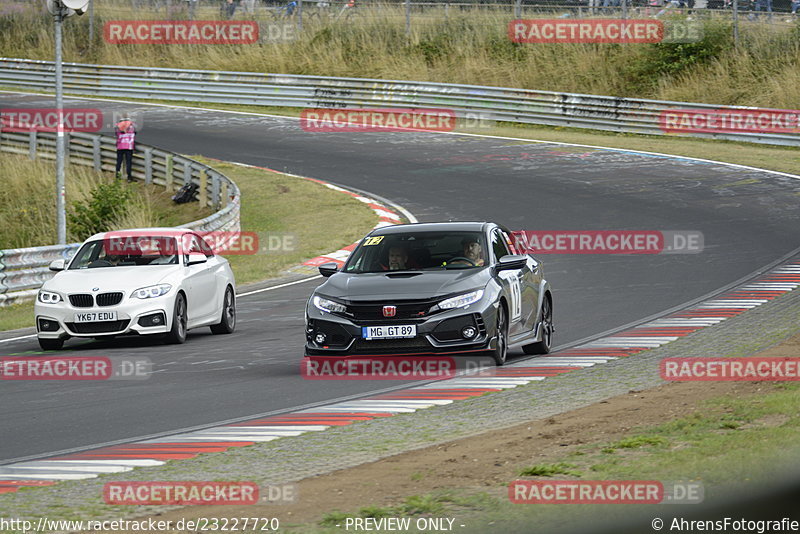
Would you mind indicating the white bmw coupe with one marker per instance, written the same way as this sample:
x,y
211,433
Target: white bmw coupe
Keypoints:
x,y
146,281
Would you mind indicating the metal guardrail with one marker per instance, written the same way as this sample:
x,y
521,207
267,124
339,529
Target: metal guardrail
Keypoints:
x,y
24,270
286,90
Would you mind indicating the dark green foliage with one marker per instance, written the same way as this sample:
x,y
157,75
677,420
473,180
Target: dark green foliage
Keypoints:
x,y
96,214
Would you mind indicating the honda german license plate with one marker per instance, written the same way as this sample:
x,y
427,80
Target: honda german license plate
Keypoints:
x,y
95,317
389,332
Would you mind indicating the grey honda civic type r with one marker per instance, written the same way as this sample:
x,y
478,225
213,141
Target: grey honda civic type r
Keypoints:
x,y
455,288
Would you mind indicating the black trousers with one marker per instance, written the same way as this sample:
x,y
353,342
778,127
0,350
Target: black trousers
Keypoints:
x,y
127,155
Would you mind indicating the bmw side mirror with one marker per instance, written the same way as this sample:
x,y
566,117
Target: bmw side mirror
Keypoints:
x,y
511,262
194,259
58,265
327,269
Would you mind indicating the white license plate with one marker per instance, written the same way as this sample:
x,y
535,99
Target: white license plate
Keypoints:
x,y
389,332
95,317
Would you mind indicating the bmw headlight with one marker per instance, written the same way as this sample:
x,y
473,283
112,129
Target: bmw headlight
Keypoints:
x,y
48,297
328,306
461,301
151,292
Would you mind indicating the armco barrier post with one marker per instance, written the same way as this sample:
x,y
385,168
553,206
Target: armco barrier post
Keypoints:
x,y
203,187
168,172
96,155
32,145
187,173
148,165
215,191
224,193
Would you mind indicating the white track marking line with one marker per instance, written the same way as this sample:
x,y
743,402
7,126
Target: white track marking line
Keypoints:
x,y
226,437
388,406
132,463
279,286
77,468
249,431
303,428
360,410
379,402
57,476
17,338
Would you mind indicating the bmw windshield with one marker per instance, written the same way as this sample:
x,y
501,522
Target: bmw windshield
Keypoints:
x,y
155,250
415,251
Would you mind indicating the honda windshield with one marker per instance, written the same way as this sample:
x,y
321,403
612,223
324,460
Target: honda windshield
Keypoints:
x,y
418,251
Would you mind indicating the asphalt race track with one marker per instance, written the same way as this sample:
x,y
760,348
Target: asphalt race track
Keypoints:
x,y
748,218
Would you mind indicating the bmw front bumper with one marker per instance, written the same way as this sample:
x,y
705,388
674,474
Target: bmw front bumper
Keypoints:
x,y
133,316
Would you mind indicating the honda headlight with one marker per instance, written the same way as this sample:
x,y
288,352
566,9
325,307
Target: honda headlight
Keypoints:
x,y
328,306
461,301
151,292
48,297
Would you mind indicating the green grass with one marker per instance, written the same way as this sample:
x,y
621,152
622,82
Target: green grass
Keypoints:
x,y
421,504
331,519
549,470
16,316
635,442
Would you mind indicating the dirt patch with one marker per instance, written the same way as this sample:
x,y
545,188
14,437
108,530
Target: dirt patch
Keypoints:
x,y
488,461
790,347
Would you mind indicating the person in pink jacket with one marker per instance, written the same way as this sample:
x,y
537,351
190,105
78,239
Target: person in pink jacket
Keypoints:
x,y
125,130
